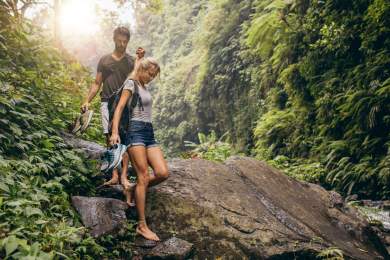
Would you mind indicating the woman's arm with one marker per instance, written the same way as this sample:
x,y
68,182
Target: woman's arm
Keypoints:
x,y
126,94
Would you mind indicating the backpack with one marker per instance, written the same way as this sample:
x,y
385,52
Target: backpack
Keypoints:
x,y
127,110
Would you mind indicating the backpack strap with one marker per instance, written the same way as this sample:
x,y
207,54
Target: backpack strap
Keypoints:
x,y
136,99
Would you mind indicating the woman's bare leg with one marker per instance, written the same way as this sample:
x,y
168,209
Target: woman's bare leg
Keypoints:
x,y
139,157
160,169
159,165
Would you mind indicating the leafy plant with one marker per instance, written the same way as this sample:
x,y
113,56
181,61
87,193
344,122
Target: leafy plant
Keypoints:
x,y
210,148
300,169
38,171
331,253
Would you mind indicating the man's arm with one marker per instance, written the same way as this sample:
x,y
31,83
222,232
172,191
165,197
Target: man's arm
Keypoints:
x,y
95,87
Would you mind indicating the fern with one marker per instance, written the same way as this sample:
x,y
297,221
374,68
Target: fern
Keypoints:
x,y
331,253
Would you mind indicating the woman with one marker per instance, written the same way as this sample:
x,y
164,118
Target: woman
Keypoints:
x,y
142,146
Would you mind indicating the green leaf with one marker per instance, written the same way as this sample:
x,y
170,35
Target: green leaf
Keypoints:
x,y
35,248
48,144
41,222
29,211
16,203
16,231
15,129
11,244
4,187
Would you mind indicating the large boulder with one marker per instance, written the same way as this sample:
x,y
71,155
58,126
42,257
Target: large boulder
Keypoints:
x,y
101,215
245,208
90,149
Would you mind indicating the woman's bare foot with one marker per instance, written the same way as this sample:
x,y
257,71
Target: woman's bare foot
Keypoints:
x,y
144,231
129,194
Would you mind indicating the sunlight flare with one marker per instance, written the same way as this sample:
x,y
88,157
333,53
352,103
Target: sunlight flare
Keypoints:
x,y
79,18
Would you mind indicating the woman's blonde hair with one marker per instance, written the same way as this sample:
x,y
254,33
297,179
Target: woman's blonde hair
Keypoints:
x,y
143,65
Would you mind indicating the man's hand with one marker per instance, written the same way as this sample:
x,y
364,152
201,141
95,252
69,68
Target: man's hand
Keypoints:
x,y
85,107
94,89
140,53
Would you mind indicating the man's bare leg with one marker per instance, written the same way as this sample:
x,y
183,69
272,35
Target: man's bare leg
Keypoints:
x,y
114,179
125,165
115,176
128,188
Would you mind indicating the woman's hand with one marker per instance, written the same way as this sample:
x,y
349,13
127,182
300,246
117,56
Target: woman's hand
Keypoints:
x,y
115,139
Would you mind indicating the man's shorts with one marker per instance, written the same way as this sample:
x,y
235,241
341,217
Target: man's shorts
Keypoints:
x,y
140,133
106,119
105,116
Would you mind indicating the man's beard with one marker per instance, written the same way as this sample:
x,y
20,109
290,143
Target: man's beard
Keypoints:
x,y
120,49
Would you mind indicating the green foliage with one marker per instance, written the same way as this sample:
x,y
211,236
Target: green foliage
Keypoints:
x,y
194,94
210,148
155,6
336,80
120,245
302,84
308,80
266,26
38,171
300,169
281,132
331,253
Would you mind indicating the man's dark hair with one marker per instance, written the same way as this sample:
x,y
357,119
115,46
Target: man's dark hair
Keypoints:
x,y
121,30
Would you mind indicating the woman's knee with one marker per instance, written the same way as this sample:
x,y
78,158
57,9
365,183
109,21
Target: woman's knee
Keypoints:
x,y
162,173
143,179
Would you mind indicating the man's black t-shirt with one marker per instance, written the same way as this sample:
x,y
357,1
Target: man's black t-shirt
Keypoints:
x,y
114,73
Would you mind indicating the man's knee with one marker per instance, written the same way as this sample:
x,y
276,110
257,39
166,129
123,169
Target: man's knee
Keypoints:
x,y
125,156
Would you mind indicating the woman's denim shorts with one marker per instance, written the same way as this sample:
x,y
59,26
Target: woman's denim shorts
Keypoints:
x,y
140,133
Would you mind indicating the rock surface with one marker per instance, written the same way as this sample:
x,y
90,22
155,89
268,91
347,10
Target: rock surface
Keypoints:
x,y
102,215
90,149
173,248
243,208
112,191
379,211
378,214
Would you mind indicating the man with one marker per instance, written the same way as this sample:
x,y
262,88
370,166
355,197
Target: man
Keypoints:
x,y
112,71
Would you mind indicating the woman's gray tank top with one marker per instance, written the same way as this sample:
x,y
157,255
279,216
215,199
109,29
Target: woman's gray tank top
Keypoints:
x,y
144,112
